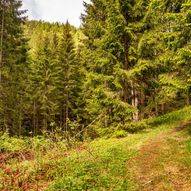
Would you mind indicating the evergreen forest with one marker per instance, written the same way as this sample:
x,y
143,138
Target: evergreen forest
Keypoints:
x,y
104,106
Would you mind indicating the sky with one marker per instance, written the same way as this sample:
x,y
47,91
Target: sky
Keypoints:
x,y
55,10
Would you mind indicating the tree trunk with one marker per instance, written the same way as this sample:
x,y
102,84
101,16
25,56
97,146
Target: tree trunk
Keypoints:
x,y
126,67
66,125
162,108
188,98
156,109
3,120
1,39
20,122
45,122
34,118
134,101
142,100
65,114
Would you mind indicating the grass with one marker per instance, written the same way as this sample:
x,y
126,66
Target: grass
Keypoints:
x,y
169,119
103,164
187,152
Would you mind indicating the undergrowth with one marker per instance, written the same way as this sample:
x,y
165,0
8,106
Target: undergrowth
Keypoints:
x,y
47,163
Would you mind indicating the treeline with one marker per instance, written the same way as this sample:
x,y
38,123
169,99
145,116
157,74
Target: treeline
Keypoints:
x,y
128,61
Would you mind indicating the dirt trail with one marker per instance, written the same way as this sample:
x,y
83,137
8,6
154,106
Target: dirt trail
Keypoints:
x,y
157,166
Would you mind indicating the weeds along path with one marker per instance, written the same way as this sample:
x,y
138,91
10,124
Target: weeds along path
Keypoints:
x,y
159,163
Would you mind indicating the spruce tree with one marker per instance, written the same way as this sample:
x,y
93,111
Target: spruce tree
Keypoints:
x,y
44,78
13,66
70,83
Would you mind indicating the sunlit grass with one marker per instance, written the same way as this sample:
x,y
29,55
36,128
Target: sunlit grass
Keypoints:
x,y
97,165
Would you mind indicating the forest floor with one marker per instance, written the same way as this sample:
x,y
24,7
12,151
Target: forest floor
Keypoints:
x,y
155,159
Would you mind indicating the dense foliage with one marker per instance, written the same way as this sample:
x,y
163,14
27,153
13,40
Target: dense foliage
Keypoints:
x,y
128,61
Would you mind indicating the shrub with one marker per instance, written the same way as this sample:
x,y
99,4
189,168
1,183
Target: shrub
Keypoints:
x,y
120,134
136,126
11,144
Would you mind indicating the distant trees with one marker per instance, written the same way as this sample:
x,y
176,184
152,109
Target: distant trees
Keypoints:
x,y
55,77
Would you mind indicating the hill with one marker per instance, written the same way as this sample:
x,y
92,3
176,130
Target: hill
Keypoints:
x,y
157,158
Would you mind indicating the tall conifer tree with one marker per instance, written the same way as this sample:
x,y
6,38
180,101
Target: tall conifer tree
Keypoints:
x,y
13,66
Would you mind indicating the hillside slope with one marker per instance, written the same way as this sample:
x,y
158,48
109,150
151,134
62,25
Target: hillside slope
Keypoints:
x,y
158,158
155,159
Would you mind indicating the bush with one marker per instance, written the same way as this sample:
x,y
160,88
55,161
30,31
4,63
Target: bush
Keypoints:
x,y
136,126
11,144
120,134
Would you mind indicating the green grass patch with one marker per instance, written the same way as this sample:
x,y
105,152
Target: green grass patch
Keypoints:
x,y
168,119
96,168
97,165
101,166
187,153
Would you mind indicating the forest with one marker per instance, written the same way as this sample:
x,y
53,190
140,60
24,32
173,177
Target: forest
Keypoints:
x,y
78,104
129,61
